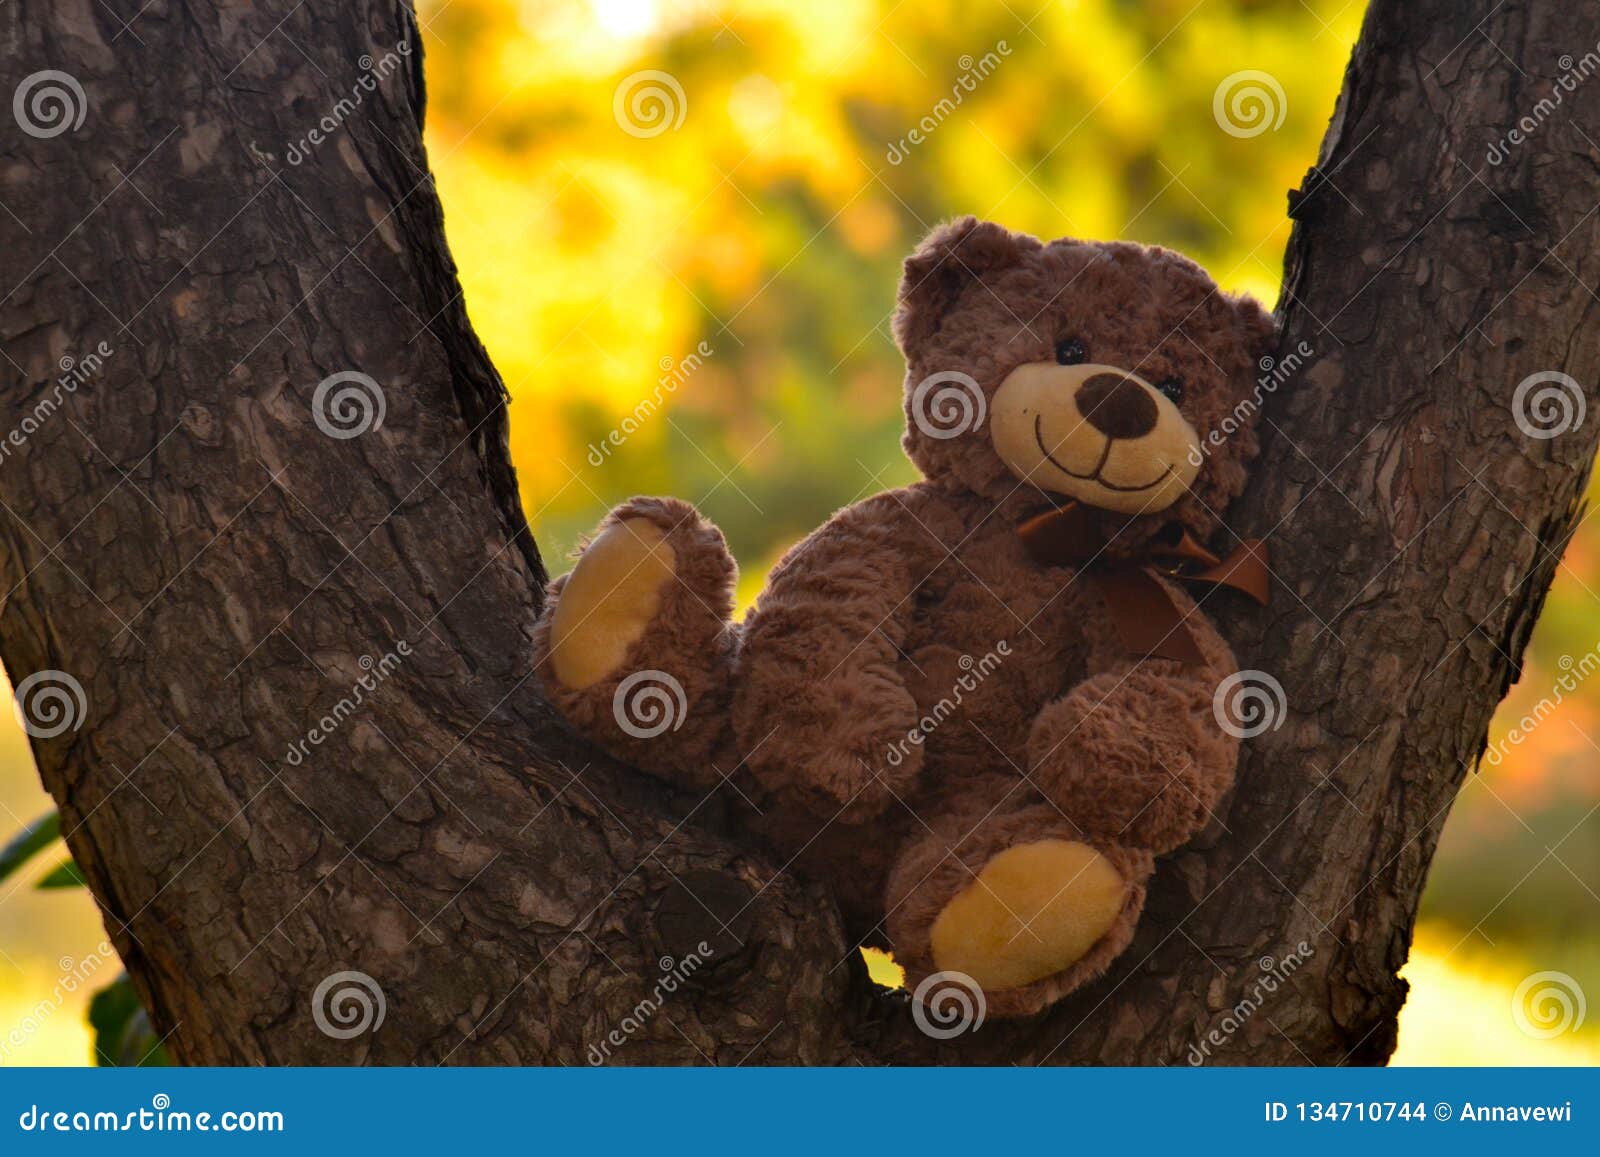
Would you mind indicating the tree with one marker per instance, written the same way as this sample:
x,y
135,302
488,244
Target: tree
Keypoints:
x,y
268,568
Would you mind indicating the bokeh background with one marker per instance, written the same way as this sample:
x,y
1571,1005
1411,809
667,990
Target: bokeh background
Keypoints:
x,y
760,212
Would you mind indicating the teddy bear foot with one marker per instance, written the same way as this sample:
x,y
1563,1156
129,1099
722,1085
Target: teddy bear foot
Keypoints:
x,y
1043,915
1034,910
1040,920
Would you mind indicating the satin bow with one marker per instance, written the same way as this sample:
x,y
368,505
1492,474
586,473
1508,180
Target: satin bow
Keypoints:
x,y
1141,606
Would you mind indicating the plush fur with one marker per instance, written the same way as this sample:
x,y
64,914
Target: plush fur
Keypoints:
x,y
912,695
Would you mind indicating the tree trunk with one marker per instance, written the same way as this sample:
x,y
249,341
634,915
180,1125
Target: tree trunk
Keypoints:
x,y
225,580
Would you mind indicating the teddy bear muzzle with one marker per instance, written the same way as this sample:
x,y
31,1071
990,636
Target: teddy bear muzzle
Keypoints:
x,y
1100,434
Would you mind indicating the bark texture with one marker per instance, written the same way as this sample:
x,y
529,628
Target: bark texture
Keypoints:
x,y
218,574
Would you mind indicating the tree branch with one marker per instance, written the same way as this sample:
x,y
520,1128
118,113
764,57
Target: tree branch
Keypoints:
x,y
182,539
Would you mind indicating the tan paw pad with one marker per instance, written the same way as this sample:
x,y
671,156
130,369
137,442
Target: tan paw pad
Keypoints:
x,y
1033,911
609,601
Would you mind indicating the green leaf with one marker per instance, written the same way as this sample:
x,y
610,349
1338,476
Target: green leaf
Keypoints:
x,y
122,1033
63,875
110,1010
34,838
140,1045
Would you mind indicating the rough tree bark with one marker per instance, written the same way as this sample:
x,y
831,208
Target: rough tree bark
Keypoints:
x,y
182,539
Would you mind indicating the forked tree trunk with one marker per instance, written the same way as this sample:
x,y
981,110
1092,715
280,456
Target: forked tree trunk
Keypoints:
x,y
183,540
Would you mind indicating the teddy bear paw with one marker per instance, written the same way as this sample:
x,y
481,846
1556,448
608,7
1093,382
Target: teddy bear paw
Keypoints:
x,y
609,600
1033,911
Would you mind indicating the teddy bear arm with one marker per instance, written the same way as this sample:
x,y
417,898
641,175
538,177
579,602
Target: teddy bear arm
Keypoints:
x,y
821,707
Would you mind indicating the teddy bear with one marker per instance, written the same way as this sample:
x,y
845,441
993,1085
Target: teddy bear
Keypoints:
x,y
978,707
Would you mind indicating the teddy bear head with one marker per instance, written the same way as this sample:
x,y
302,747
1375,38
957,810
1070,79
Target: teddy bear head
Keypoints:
x,y
1097,372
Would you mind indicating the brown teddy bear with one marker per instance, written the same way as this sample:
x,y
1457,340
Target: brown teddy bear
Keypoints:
x,y
978,707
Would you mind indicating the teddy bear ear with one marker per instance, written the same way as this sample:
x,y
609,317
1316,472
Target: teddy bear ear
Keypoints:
x,y
953,256
1259,326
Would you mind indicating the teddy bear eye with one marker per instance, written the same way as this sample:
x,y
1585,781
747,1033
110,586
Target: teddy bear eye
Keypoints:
x,y
1171,387
1071,352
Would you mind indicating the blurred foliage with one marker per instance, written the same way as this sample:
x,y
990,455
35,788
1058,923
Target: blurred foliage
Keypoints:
x,y
122,1032
28,842
123,1037
770,225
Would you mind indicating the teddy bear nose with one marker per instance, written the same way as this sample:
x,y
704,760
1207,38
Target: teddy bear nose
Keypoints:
x,y
1117,406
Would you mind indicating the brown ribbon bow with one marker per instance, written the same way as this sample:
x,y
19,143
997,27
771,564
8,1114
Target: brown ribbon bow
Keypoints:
x,y
1141,606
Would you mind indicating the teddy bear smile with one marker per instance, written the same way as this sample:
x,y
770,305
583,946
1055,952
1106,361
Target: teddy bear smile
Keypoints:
x,y
1094,475
1114,441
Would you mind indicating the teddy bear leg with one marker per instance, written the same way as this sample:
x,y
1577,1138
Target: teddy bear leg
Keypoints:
x,y
1022,905
635,647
